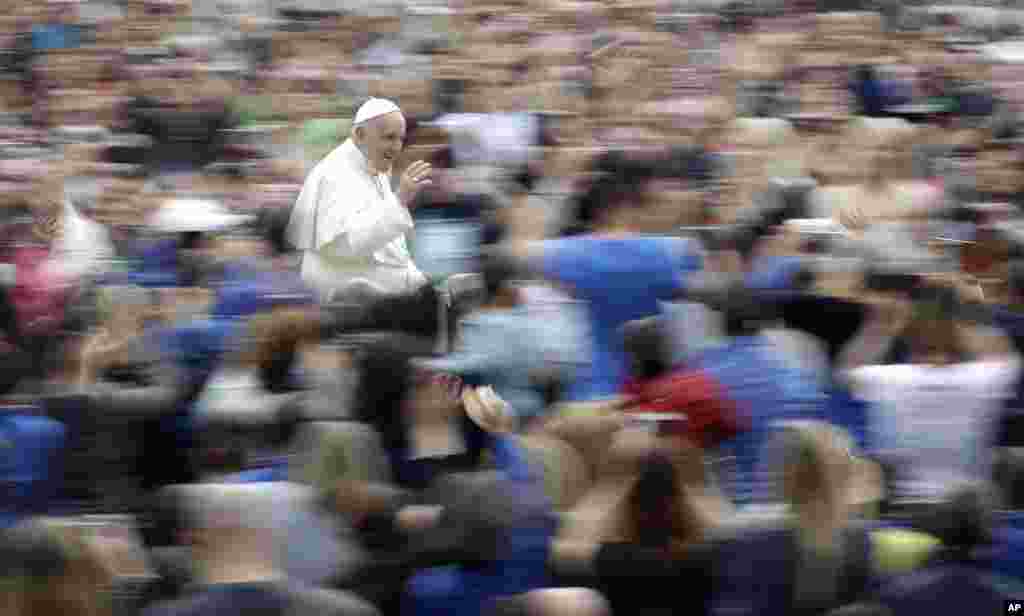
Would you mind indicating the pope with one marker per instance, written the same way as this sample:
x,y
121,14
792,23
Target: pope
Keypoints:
x,y
348,223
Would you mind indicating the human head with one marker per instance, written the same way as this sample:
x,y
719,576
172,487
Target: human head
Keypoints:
x,y
616,193
648,348
932,334
671,503
744,315
391,392
379,133
499,274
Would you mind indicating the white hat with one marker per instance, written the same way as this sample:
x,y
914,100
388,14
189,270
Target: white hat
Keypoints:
x,y
374,108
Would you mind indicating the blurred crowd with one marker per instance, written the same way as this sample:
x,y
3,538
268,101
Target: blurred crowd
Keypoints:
x,y
724,315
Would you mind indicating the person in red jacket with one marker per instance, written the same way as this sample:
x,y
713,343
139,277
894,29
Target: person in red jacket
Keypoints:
x,y
685,402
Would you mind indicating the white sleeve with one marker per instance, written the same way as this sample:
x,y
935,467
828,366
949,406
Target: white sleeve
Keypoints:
x,y
366,224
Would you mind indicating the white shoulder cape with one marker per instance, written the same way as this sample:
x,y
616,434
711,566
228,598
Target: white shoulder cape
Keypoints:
x,y
310,213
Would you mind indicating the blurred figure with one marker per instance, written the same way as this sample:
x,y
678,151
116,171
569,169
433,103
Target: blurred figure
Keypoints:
x,y
659,386
432,437
820,558
52,568
448,221
653,540
108,385
32,459
231,530
619,273
349,225
758,377
500,345
954,581
948,364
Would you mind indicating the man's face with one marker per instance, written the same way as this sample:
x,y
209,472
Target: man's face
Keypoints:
x,y
381,140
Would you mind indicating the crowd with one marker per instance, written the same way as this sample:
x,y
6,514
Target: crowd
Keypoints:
x,y
510,308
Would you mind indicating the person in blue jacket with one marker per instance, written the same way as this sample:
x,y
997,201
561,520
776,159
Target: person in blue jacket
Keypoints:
x,y
494,543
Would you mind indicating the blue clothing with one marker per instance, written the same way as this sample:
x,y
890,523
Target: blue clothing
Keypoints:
x,y
199,345
621,279
523,568
869,93
768,390
500,348
244,294
851,414
158,265
229,600
30,449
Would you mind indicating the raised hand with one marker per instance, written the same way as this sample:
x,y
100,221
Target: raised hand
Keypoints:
x,y
415,178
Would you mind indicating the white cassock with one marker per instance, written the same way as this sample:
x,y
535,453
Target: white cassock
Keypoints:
x,y
351,228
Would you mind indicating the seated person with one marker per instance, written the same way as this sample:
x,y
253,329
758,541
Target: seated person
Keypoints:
x,y
431,435
818,558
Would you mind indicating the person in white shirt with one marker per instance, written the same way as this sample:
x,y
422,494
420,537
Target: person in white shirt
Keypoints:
x,y
933,412
349,225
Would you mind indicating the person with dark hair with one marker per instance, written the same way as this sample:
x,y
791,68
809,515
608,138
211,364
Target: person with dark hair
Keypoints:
x,y
949,363
654,539
658,385
620,273
867,88
431,437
